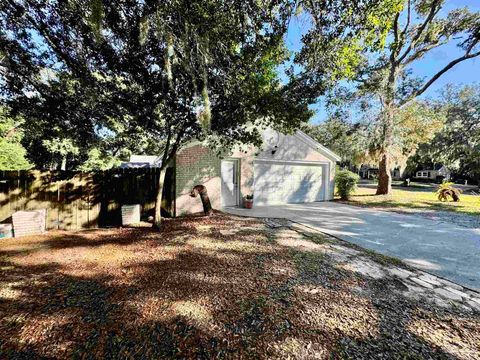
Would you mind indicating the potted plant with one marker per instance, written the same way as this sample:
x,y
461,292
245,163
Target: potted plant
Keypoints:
x,y
248,201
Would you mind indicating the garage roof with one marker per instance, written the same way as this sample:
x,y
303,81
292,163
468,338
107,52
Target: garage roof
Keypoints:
x,y
317,146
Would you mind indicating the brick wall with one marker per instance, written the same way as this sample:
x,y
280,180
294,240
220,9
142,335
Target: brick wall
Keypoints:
x,y
196,165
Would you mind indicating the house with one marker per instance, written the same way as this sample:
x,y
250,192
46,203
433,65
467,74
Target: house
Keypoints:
x,y
396,174
142,161
286,169
436,173
368,172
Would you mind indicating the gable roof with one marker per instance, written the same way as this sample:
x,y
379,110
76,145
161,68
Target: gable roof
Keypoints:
x,y
151,159
317,146
139,161
439,166
436,167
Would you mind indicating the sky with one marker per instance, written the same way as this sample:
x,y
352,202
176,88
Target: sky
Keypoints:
x,y
467,72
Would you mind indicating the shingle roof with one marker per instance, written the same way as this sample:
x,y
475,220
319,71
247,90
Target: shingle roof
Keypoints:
x,y
151,159
142,161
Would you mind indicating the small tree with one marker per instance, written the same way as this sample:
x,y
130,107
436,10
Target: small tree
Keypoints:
x,y
346,183
61,149
446,191
98,160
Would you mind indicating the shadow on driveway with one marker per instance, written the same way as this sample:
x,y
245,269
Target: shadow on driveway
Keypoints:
x,y
442,248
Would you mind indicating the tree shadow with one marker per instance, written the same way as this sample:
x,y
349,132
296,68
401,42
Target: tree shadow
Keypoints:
x,y
201,288
365,195
77,200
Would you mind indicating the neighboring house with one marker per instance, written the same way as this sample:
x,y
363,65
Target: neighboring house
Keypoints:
x,y
396,174
438,171
368,172
142,161
287,169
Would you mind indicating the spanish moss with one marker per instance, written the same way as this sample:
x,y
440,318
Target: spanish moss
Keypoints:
x,y
95,19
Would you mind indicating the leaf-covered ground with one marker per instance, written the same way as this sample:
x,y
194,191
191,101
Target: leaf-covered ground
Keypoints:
x,y
220,287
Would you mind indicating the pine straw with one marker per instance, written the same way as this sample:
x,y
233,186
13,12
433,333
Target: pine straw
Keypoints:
x,y
219,287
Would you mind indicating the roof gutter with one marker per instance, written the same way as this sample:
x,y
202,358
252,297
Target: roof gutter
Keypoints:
x,y
317,146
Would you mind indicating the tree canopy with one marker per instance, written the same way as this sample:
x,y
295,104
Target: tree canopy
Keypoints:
x,y
457,145
160,73
356,138
12,153
346,138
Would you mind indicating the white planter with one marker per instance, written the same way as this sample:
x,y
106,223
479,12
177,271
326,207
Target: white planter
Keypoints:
x,y
130,214
29,222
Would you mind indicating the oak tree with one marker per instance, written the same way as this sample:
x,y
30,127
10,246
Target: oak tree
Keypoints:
x,y
377,61
167,72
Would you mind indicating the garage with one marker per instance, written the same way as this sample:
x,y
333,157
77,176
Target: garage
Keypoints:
x,y
284,169
283,182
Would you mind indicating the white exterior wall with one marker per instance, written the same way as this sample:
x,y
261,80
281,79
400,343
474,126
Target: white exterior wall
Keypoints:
x,y
296,149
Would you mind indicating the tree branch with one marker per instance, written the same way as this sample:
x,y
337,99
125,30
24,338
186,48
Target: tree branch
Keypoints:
x,y
166,151
434,9
409,17
437,76
169,154
403,33
43,30
10,132
396,31
419,53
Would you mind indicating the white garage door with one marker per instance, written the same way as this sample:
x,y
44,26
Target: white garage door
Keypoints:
x,y
280,183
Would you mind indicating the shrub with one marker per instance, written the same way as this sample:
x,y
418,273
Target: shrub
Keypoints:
x,y
446,191
346,182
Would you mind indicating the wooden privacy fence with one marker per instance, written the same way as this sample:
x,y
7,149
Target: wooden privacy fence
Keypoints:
x,y
78,200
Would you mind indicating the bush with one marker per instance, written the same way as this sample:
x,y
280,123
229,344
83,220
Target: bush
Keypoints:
x,y
446,191
346,182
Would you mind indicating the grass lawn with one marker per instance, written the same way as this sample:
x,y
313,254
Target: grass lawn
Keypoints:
x,y
220,287
414,198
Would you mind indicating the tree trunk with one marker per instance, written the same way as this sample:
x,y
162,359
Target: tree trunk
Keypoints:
x,y
202,191
384,176
157,219
384,167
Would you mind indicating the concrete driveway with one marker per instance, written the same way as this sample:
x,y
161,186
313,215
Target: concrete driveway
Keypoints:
x,y
447,250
